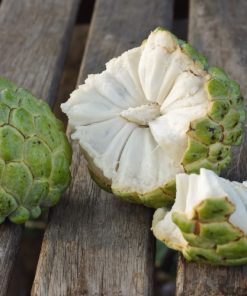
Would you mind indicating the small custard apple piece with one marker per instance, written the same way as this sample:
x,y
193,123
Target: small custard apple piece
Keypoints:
x,y
35,155
155,111
208,221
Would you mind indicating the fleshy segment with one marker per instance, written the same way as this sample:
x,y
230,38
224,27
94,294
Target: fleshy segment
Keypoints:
x,y
34,157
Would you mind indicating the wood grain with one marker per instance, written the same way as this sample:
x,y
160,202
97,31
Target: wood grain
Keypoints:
x,y
34,36
96,244
218,28
71,68
10,236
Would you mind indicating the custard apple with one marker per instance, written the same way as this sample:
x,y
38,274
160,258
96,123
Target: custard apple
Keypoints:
x,y
208,221
34,155
156,111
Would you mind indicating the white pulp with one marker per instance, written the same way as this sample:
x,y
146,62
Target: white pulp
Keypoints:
x,y
143,114
132,118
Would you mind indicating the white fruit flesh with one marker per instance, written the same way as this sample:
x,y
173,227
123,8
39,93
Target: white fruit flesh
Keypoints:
x,y
191,191
132,118
143,114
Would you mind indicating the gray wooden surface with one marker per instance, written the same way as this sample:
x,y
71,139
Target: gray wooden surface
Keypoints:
x,y
33,40
218,28
10,236
96,244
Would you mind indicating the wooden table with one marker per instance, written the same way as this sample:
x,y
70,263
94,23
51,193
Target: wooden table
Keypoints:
x,y
95,244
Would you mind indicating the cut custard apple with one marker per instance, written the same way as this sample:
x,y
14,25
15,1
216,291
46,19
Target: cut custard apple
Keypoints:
x,y
208,221
34,155
156,111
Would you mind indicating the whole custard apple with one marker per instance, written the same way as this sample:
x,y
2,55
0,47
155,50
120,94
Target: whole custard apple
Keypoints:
x,y
34,155
156,111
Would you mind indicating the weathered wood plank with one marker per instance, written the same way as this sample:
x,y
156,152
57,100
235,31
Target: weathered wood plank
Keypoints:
x,y
96,244
34,37
218,28
10,236
71,68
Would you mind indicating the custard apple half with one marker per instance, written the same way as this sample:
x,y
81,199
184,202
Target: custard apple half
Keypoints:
x,y
34,155
208,221
157,110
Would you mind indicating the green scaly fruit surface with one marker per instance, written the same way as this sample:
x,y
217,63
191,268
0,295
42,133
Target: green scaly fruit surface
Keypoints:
x,y
35,155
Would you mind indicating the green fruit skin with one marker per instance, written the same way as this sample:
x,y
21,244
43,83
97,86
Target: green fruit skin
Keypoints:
x,y
211,238
35,155
222,127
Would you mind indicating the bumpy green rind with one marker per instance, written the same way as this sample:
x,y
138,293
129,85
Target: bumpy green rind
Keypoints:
x,y
160,197
210,138
34,155
221,127
211,237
